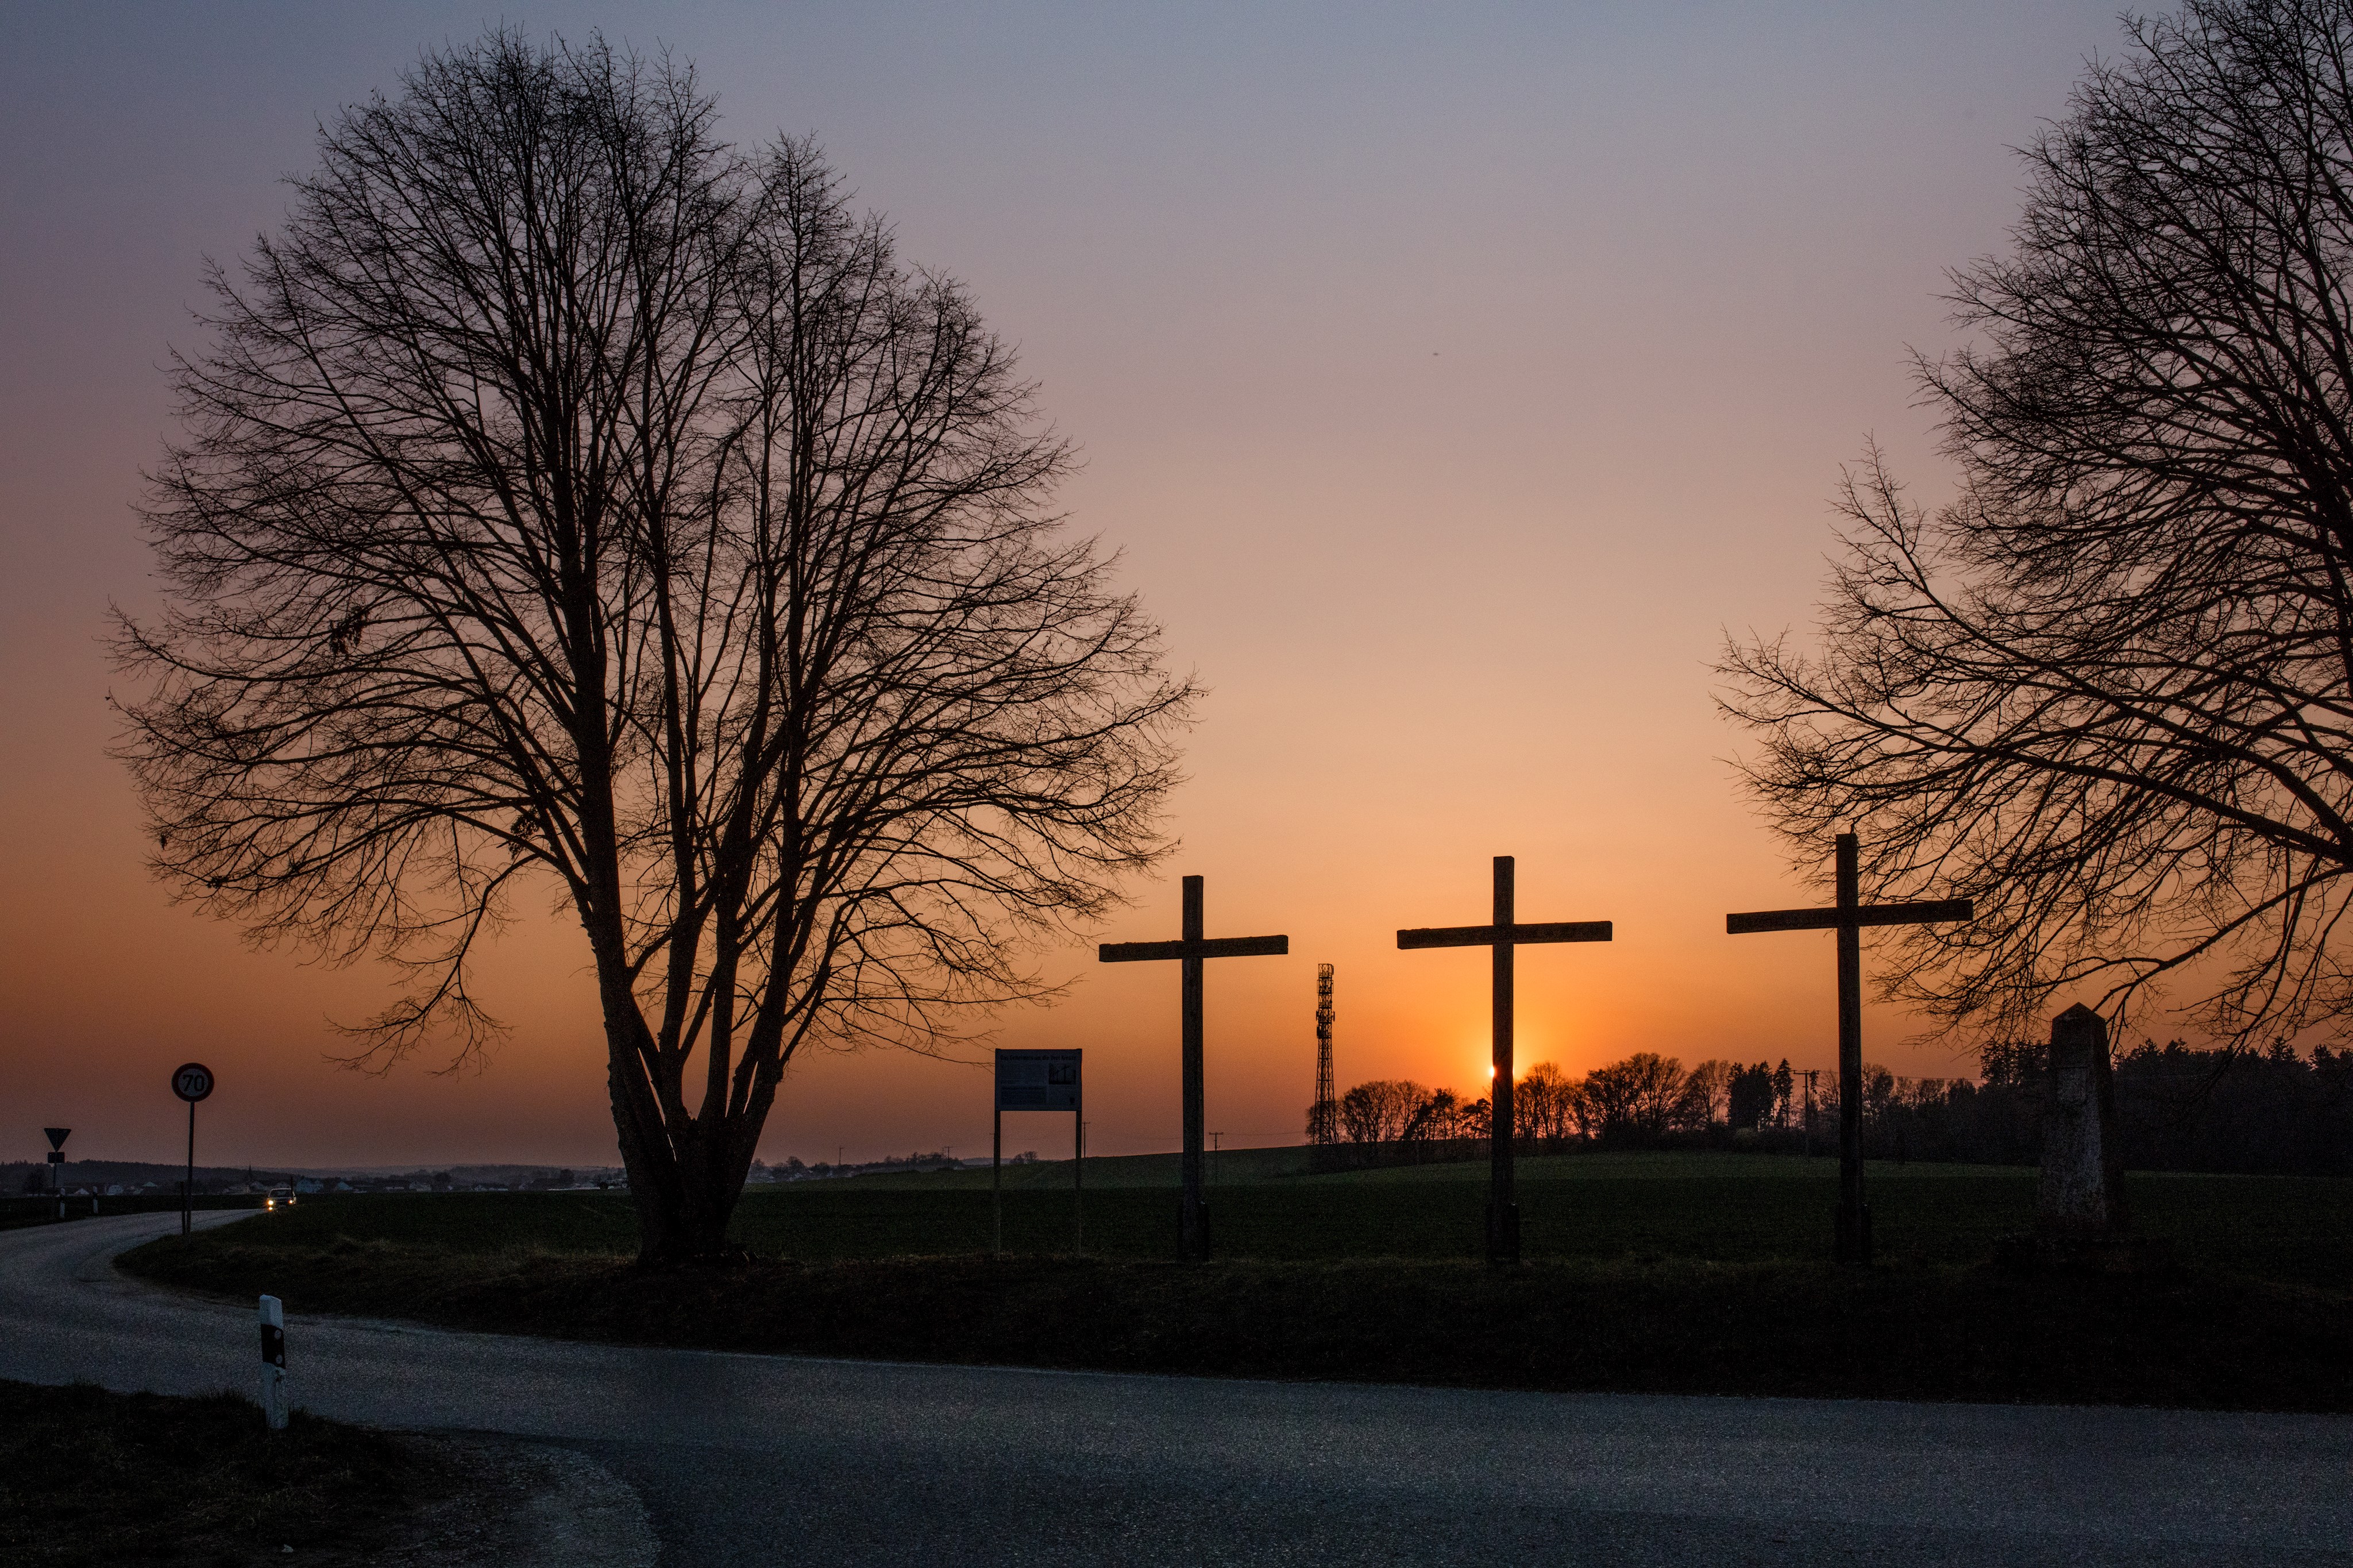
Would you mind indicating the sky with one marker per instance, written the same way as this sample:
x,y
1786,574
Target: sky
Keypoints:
x,y
1449,380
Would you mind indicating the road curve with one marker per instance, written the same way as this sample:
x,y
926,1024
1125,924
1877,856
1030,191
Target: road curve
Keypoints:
x,y
773,1459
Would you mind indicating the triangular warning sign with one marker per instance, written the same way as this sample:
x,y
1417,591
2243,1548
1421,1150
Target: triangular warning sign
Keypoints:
x,y
58,1136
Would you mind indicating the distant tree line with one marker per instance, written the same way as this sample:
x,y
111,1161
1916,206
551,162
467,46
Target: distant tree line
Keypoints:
x,y
2179,1109
2256,1112
1639,1101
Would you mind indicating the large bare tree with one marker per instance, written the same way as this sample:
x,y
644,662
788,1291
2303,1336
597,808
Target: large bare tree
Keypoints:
x,y
2106,691
574,505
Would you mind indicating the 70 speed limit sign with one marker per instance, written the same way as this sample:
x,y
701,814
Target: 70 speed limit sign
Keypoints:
x,y
192,1081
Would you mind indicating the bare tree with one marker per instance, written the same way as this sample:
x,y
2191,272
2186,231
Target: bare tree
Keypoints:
x,y
1636,1096
1435,1116
1705,1096
1379,1110
2105,692
1546,1104
572,502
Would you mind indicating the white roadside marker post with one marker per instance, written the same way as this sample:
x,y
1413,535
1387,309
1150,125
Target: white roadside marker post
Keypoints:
x,y
273,1363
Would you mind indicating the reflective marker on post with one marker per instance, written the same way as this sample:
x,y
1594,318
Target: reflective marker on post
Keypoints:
x,y
273,1363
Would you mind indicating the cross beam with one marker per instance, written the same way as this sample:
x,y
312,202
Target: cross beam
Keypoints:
x,y
1503,935
1191,949
1864,915
1848,917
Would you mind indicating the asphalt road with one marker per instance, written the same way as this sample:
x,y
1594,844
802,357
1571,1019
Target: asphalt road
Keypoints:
x,y
774,1460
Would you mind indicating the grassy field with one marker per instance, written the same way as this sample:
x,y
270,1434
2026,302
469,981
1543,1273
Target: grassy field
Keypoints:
x,y
1721,1208
1684,1272
89,1477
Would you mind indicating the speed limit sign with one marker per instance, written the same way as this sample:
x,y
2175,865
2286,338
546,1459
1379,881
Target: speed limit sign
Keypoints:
x,y
192,1081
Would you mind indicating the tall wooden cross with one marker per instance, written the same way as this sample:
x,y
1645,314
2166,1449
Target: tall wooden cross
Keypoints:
x,y
1848,918
1502,936
1191,949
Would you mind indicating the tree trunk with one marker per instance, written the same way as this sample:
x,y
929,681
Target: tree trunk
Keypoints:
x,y
684,1190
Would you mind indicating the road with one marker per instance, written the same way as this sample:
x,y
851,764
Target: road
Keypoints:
x,y
772,1460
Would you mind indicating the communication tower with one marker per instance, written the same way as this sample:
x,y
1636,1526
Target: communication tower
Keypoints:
x,y
1324,1121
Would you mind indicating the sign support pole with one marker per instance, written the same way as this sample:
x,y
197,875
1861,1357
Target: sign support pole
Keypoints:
x,y
192,1081
58,1136
1079,1170
1034,1081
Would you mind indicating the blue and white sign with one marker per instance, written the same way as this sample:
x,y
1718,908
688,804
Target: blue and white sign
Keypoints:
x,y
1038,1080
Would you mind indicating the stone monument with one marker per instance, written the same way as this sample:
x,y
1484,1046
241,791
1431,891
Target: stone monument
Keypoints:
x,y
2081,1199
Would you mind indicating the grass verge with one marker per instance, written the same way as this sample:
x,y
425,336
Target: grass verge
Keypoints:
x,y
90,1477
1914,1328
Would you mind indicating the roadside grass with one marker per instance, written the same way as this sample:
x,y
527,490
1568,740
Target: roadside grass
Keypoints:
x,y
1692,1273
1904,1330
90,1477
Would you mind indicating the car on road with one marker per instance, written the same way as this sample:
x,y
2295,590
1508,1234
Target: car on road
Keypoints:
x,y
278,1198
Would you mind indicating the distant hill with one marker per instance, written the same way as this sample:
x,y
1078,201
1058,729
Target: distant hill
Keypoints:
x,y
128,1173
20,1175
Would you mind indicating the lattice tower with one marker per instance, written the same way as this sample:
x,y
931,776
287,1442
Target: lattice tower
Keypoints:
x,y
1325,1120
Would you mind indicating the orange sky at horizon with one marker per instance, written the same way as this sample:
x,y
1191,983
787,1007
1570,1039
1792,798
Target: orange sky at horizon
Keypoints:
x,y
1447,386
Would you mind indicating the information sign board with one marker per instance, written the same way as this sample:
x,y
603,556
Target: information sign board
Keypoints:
x,y
1038,1080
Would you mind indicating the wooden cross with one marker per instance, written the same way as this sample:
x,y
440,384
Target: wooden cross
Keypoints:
x,y
1848,918
1191,949
1502,936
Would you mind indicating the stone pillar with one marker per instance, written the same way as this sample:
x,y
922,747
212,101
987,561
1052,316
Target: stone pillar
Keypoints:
x,y
2082,1192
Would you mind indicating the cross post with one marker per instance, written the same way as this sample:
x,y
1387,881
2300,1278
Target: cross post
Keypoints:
x,y
1190,950
1848,918
1501,937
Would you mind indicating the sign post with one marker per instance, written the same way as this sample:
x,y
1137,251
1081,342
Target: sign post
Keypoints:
x,y
58,1136
192,1081
1038,1080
